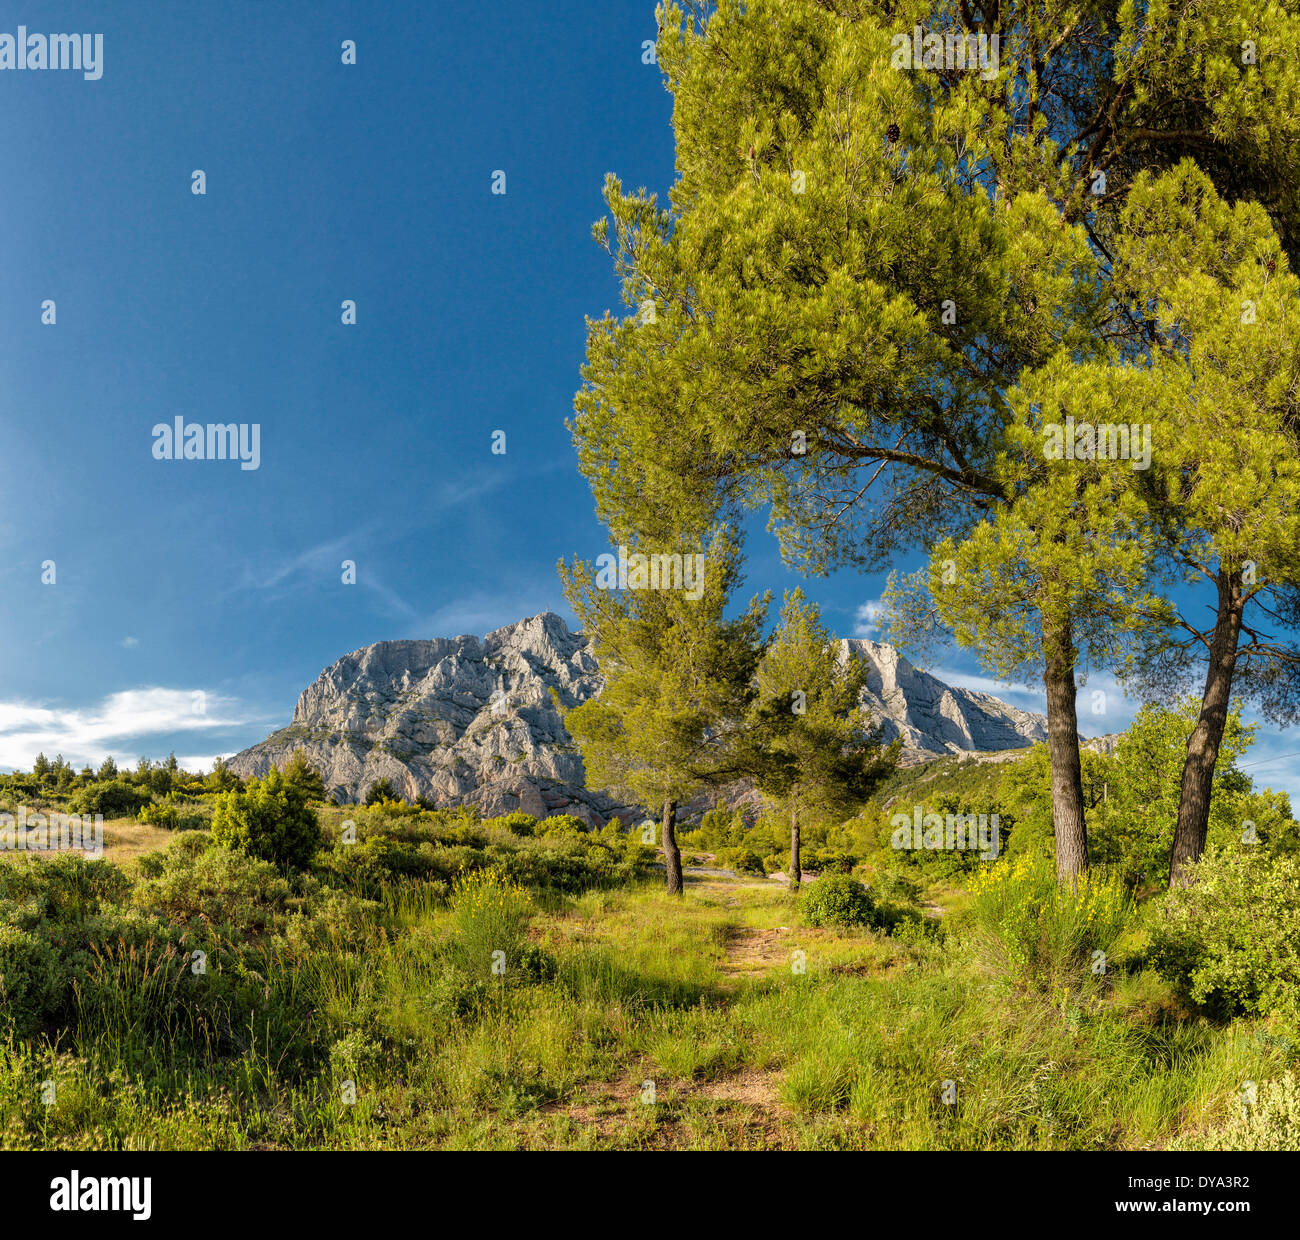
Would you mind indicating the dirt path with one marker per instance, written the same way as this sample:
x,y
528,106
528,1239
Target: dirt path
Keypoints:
x,y
750,951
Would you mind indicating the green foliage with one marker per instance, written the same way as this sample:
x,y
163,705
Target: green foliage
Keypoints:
x,y
1231,940
31,981
1044,935
837,900
168,814
1133,827
719,827
562,825
813,755
492,914
270,819
379,792
1270,1122
193,884
519,823
678,679
300,772
829,861
115,799
742,860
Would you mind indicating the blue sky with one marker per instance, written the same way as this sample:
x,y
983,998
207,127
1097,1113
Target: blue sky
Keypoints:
x,y
192,600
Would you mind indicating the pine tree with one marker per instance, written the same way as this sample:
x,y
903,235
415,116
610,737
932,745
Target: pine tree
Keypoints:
x,y
299,772
862,259
816,757
1225,483
679,679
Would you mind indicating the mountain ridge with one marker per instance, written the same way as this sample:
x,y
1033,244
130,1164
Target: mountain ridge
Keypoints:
x,y
478,721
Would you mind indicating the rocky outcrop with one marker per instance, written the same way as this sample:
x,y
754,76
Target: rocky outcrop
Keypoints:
x,y
932,718
464,720
456,720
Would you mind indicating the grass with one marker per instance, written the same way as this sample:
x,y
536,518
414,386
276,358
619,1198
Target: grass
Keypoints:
x,y
713,1022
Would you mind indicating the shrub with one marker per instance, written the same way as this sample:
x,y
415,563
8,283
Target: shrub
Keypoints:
x,y
217,886
379,792
491,916
299,772
1231,940
537,964
519,823
165,814
159,814
1044,934
1272,1123
742,860
837,900
830,860
270,819
114,799
895,886
562,824
31,981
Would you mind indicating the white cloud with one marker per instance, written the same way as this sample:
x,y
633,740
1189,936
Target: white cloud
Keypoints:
x,y
866,620
129,643
117,724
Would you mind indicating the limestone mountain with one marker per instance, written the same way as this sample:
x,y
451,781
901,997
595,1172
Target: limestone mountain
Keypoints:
x,y
464,720
933,718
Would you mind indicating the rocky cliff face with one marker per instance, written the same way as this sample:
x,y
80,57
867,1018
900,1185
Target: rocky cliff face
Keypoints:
x,y
467,721
458,720
933,718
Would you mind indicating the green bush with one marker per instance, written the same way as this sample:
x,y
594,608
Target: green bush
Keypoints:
x,y
562,824
212,886
828,860
492,914
114,799
1271,1122
742,860
31,981
519,823
270,819
1045,935
1231,940
837,900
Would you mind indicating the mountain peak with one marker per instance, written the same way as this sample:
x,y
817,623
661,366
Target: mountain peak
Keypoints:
x,y
469,720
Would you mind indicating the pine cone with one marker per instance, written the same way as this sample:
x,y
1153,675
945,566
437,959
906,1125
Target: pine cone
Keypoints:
x,y
893,133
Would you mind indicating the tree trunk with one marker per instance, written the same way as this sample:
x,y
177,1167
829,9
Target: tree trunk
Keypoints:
x,y
672,854
1207,736
796,874
1068,819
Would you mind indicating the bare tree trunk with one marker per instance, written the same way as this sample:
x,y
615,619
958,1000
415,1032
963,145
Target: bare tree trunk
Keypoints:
x,y
796,874
672,854
1068,819
1207,736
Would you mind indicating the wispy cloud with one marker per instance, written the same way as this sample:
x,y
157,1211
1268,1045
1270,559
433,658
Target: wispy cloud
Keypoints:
x,y
322,558
119,723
